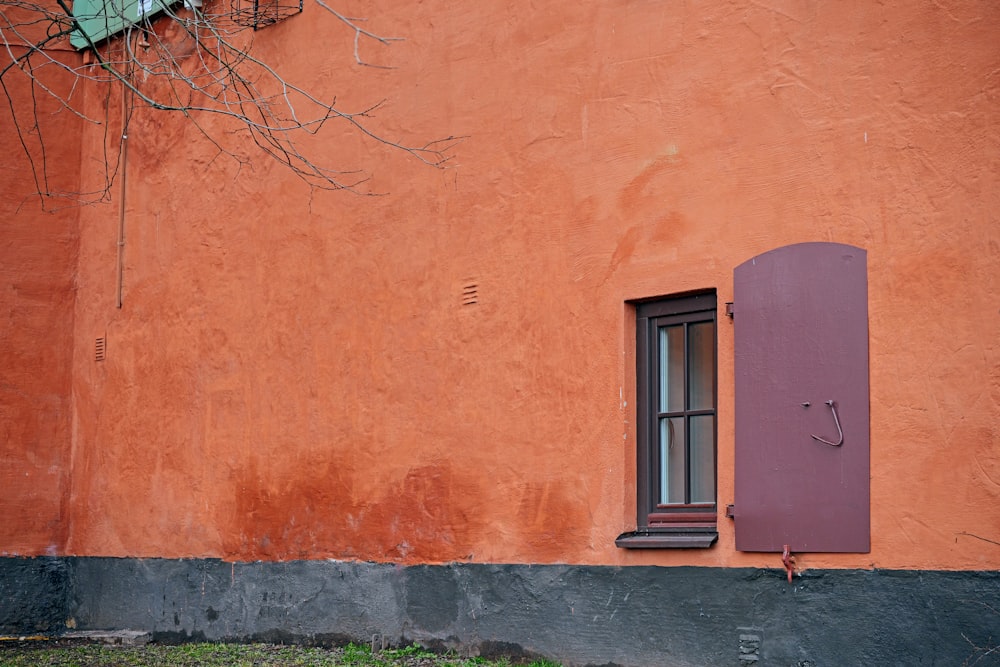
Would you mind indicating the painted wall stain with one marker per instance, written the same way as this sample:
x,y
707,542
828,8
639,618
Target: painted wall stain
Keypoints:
x,y
429,514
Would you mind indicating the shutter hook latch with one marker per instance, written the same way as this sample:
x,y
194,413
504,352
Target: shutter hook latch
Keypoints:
x,y
836,420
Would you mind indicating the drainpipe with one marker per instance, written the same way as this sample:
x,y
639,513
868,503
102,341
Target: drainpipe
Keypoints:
x,y
121,203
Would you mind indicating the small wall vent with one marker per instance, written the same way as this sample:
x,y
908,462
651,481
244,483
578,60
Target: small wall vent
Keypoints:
x,y
470,294
100,348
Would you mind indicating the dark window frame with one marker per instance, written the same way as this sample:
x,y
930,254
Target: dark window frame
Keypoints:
x,y
688,525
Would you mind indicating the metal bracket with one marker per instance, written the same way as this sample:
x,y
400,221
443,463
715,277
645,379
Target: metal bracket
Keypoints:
x,y
836,420
788,560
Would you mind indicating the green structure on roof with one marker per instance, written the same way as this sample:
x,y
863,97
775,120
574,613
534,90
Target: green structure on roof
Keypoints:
x,y
99,19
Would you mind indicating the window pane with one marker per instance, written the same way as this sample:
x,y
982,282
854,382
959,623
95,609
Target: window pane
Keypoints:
x,y
701,347
672,461
671,370
703,459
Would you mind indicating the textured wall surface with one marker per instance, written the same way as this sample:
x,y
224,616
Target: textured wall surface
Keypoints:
x,y
38,252
435,387
294,374
34,594
578,615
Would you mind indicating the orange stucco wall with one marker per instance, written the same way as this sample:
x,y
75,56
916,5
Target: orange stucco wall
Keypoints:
x,y
293,374
37,264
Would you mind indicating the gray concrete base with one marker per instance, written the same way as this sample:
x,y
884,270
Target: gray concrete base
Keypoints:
x,y
33,595
578,615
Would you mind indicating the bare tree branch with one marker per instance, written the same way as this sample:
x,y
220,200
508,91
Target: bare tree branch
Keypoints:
x,y
205,68
359,32
984,539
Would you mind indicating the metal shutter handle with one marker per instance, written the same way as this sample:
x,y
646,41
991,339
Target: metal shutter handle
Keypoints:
x,y
840,431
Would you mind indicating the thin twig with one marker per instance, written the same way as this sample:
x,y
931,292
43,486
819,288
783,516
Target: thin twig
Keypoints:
x,y
223,78
979,538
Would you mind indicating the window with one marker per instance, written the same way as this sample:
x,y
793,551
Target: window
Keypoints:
x,y
675,424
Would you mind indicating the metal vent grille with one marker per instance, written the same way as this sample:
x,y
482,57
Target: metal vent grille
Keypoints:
x,y
470,294
100,348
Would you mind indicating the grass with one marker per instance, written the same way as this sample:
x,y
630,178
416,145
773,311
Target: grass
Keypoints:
x,y
39,654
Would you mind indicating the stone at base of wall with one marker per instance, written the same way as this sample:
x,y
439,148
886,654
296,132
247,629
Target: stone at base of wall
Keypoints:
x,y
577,615
113,637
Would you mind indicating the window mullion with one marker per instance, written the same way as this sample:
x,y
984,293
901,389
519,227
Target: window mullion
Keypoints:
x,y
687,419
688,413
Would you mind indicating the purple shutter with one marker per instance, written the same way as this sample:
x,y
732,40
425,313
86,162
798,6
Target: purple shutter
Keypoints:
x,y
801,328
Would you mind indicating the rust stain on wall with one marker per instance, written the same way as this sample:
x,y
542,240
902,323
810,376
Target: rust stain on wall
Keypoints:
x,y
429,515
